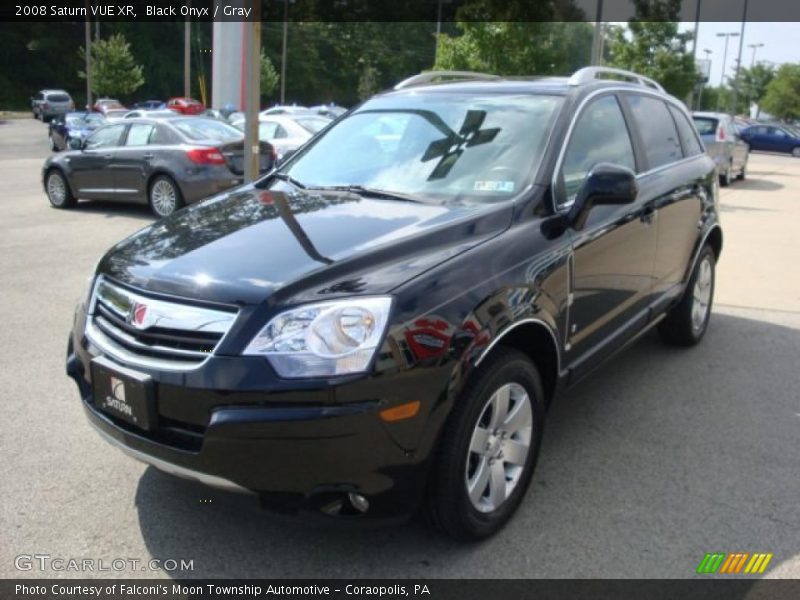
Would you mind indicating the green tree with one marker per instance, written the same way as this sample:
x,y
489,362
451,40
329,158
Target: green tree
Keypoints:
x,y
751,85
114,70
269,76
655,49
782,98
516,48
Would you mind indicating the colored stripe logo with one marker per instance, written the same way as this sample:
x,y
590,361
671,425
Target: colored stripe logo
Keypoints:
x,y
734,563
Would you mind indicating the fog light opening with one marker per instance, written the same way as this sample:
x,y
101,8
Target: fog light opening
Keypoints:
x,y
359,502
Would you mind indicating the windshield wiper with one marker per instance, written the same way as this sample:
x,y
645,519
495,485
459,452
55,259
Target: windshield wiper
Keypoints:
x,y
366,191
290,179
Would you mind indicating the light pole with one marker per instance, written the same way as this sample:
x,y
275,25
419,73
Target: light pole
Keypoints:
x,y
700,95
754,46
727,36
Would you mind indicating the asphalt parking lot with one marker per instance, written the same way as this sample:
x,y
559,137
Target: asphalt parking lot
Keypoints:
x,y
656,459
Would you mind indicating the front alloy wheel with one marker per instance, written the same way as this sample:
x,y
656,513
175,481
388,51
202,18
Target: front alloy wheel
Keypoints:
x,y
488,449
58,191
499,448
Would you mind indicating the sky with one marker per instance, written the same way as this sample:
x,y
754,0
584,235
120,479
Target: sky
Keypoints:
x,y
781,44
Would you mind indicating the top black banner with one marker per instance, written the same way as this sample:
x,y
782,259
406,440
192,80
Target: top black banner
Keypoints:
x,y
400,10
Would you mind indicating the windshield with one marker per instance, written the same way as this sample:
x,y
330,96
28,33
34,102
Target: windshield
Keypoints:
x,y
89,120
312,124
436,145
198,128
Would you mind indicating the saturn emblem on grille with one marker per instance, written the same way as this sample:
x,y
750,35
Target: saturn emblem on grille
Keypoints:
x,y
138,315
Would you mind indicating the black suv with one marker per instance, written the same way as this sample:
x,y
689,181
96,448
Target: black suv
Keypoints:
x,y
381,323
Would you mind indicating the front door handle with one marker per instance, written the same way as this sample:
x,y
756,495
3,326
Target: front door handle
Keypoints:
x,y
108,156
148,156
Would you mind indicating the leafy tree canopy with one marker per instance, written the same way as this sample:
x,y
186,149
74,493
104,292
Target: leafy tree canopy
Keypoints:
x,y
113,69
782,98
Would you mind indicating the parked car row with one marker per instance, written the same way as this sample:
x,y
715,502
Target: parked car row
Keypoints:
x,y
724,144
165,163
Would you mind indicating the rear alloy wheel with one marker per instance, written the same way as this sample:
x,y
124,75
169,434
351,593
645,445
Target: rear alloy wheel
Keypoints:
x,y
165,197
489,448
686,324
58,191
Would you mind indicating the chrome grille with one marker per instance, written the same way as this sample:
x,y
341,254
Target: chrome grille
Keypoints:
x,y
137,329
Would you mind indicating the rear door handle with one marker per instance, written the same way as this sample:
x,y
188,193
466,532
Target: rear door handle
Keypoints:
x,y
108,156
149,155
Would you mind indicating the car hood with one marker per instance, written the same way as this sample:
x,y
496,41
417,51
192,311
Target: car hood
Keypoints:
x,y
252,245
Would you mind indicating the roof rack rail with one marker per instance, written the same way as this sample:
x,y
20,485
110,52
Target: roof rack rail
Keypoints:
x,y
588,74
431,76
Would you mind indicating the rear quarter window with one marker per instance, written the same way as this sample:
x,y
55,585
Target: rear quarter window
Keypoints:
x,y
58,97
657,130
691,145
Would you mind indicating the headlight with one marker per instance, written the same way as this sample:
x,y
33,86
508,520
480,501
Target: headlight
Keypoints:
x,y
324,339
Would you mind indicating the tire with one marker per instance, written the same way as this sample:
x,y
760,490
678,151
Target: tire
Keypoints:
x,y
58,191
725,179
743,173
687,322
164,196
796,152
53,147
507,374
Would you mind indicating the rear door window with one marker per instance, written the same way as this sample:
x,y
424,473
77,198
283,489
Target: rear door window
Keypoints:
x,y
106,137
657,130
691,145
139,134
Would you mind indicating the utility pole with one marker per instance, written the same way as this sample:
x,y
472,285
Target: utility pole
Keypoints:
x,y
754,47
739,60
88,45
597,39
187,58
283,51
252,92
694,49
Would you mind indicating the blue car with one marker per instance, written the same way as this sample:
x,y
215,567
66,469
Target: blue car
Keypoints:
x,y
150,105
73,125
773,138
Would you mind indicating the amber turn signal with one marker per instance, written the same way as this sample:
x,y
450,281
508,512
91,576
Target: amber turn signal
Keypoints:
x,y
398,413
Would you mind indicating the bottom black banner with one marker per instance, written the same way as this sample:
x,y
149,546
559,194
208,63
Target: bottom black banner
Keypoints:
x,y
434,589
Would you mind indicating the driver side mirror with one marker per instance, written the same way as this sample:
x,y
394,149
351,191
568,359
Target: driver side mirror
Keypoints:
x,y
606,184
75,144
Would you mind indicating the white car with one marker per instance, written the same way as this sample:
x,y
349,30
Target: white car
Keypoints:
x,y
151,114
286,132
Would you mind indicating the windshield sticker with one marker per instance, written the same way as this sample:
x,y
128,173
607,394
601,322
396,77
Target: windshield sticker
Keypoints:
x,y
494,186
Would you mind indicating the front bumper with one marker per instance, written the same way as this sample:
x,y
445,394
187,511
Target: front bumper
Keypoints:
x,y
296,449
